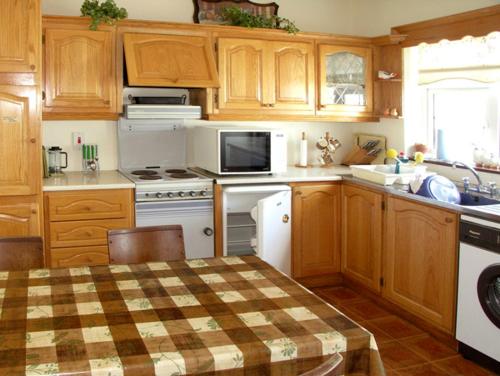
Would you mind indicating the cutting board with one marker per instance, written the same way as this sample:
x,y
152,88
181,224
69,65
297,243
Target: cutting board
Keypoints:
x,y
362,138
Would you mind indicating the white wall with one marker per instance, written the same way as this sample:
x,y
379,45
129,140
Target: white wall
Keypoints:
x,y
376,17
358,17
330,16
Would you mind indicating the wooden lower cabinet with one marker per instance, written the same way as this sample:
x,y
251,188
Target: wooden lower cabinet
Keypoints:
x,y
19,216
77,224
84,233
79,256
362,217
315,229
420,261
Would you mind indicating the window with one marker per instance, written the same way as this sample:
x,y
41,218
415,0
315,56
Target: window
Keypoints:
x,y
452,99
462,121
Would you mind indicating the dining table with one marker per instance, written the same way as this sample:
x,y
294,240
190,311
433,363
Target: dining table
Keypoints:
x,y
217,316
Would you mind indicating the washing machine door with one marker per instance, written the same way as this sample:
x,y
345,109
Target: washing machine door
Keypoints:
x,y
488,291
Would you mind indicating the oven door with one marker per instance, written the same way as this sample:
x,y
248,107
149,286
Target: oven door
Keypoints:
x,y
245,152
195,216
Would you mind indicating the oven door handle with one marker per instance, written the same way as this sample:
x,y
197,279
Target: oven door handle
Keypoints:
x,y
177,206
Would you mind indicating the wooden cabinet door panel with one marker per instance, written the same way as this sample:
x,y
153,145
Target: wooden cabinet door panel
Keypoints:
x,y
316,230
333,84
98,204
19,145
242,72
84,233
420,261
20,36
19,219
79,256
170,60
79,70
362,235
293,72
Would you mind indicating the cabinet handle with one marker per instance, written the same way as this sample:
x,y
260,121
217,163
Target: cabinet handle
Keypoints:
x,y
43,95
32,67
271,104
265,105
448,220
298,193
33,140
322,106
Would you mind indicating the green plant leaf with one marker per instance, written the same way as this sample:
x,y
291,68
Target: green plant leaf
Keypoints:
x,y
240,17
106,12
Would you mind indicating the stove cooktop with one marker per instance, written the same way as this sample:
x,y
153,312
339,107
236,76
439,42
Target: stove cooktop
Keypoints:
x,y
169,184
163,175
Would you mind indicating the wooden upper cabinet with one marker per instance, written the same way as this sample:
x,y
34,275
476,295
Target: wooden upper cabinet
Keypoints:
x,y
293,65
79,70
241,68
20,36
345,80
19,141
19,218
420,261
268,76
170,60
362,217
316,229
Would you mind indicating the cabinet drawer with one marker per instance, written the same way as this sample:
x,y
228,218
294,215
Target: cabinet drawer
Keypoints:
x,y
98,204
84,233
79,256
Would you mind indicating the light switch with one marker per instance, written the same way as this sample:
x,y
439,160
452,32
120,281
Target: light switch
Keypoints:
x,y
78,138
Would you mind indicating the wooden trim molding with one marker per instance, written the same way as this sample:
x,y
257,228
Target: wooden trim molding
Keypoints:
x,y
475,23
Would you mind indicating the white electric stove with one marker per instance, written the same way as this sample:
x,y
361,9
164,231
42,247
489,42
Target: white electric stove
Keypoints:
x,y
152,153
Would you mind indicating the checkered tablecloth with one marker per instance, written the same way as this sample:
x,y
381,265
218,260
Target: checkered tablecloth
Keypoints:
x,y
212,316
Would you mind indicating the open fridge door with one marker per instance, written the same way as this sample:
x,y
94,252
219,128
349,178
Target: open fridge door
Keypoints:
x,y
273,217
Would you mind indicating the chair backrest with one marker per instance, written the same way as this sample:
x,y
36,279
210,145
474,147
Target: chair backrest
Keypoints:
x,y
146,244
21,253
329,368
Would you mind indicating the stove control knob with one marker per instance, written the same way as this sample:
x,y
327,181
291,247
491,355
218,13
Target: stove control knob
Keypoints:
x,y
159,195
170,195
192,193
203,193
181,194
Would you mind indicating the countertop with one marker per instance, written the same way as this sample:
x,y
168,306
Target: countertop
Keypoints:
x,y
488,212
77,180
293,174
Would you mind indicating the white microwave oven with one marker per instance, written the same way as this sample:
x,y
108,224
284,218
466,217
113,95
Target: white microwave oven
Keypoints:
x,y
235,151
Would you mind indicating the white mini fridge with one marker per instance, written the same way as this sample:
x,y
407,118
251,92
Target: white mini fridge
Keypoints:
x,y
257,221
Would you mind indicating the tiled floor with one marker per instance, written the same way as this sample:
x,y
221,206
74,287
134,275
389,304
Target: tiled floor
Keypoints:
x,y
405,349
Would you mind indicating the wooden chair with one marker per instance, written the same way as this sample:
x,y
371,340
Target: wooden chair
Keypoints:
x,y
146,244
329,368
21,253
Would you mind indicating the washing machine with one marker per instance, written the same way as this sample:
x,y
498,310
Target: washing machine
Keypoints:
x,y
478,306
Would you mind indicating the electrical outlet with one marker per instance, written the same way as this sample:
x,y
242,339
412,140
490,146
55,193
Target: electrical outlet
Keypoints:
x,y
78,139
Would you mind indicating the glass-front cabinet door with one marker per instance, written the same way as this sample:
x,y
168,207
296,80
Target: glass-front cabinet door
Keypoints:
x,y
345,79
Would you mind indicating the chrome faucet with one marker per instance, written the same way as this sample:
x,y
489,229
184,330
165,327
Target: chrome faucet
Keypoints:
x,y
473,171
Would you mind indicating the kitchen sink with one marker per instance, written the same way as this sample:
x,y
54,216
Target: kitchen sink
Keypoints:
x,y
467,199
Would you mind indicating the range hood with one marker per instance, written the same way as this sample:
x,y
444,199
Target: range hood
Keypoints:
x,y
155,103
162,111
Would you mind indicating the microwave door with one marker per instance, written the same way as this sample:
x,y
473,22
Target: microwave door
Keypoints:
x,y
274,230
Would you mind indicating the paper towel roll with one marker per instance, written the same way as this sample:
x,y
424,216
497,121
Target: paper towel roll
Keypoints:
x,y
303,151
